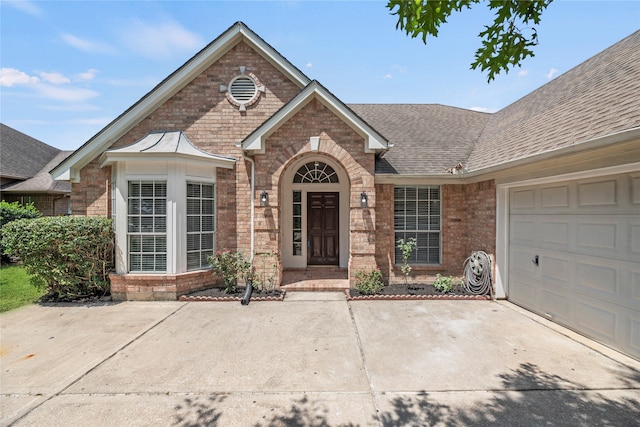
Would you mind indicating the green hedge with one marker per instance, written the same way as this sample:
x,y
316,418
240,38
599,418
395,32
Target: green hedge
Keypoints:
x,y
70,256
11,212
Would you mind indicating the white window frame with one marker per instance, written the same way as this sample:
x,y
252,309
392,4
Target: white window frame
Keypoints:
x,y
176,175
204,263
158,232
416,228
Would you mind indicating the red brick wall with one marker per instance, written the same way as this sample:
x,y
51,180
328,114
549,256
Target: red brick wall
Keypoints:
x,y
468,225
338,142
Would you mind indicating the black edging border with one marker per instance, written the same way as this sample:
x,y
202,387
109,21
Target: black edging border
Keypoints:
x,y
203,298
405,297
347,292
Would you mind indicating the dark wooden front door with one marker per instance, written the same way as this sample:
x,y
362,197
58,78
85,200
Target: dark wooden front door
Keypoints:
x,y
322,229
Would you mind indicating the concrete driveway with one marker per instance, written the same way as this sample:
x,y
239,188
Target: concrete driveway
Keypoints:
x,y
312,360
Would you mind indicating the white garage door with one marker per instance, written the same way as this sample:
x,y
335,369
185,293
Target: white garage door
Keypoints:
x,y
574,256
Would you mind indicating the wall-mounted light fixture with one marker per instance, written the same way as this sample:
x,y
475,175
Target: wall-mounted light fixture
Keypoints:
x,y
364,200
264,199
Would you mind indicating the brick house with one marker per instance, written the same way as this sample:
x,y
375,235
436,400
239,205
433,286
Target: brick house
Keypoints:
x,y
238,149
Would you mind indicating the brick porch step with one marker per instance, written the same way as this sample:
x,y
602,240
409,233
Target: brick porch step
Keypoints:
x,y
315,279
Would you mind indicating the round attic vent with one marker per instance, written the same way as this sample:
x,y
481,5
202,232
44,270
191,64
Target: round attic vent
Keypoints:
x,y
243,89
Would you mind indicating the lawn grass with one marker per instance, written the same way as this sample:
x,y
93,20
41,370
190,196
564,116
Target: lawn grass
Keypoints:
x,y
15,288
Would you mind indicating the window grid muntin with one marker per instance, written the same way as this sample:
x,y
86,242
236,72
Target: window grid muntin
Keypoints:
x,y
147,226
417,214
297,223
200,224
315,173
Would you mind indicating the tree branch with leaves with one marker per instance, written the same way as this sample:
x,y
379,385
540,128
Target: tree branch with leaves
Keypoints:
x,y
505,43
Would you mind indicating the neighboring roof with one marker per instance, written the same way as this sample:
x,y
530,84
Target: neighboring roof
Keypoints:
x,y
42,181
21,156
374,141
427,138
238,32
598,98
163,143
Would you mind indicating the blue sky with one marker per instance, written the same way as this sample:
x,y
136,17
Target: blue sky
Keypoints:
x,y
70,67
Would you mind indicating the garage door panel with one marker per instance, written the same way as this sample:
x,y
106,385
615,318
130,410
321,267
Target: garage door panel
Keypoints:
x,y
634,334
598,193
586,234
634,238
555,268
597,319
555,232
556,305
555,197
521,260
524,230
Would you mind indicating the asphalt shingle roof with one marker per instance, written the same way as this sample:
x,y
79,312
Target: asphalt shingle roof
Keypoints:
x,y
599,97
22,156
427,138
29,161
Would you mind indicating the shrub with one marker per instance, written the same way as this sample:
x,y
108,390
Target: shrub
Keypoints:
x,y
444,283
13,211
69,256
369,282
230,266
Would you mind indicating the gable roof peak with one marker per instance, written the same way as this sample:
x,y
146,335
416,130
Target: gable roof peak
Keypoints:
x,y
238,32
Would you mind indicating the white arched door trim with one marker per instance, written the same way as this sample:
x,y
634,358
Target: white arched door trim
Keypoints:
x,y
287,188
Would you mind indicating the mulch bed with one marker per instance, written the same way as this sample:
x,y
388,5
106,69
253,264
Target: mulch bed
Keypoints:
x,y
414,292
218,294
390,293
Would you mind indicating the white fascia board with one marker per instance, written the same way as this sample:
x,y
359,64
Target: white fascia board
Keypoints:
x,y
373,141
70,168
602,141
275,58
114,130
217,161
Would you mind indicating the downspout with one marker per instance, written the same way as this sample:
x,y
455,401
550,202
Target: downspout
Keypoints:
x,y
247,292
253,171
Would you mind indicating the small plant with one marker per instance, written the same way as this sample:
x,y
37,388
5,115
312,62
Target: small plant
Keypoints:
x,y
369,282
445,284
406,247
230,266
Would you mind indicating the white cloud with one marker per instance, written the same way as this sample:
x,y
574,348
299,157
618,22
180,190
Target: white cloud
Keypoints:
x,y
10,77
387,76
523,73
25,6
66,94
309,65
551,73
160,41
54,78
90,74
86,45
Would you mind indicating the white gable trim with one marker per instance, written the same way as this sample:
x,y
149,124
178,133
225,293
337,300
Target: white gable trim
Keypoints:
x,y
255,142
70,168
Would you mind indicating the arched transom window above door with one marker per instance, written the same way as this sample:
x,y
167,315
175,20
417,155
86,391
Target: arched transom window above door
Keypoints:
x,y
316,173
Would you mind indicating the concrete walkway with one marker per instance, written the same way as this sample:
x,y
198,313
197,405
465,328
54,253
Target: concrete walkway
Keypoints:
x,y
313,360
